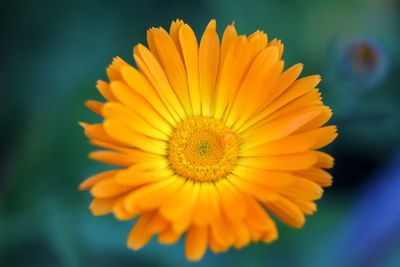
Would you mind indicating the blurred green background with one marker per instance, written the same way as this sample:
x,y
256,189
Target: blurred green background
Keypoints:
x,y
54,51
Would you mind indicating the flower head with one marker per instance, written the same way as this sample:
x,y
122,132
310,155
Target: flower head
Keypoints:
x,y
212,138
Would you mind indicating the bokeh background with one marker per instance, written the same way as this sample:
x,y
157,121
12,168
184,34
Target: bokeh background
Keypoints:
x,y
52,53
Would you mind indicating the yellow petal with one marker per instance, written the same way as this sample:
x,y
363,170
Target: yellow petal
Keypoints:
x,y
121,213
208,66
298,88
102,206
215,246
262,38
278,44
325,160
234,67
143,173
279,128
169,58
301,189
196,243
316,122
157,224
174,33
262,177
114,70
140,106
259,192
190,50
222,233
169,236
317,175
96,131
285,81
271,80
105,91
257,82
257,217
242,235
110,146
132,199
288,162
310,140
113,158
207,205
99,137
286,211
149,66
116,111
128,158
231,200
109,188
124,133
141,86
270,236
308,100
139,236
94,106
307,207
179,208
91,181
228,38
154,201
230,74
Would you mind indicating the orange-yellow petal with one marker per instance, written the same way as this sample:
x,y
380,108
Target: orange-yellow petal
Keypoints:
x,y
286,211
102,206
169,58
125,133
93,180
140,106
94,106
116,111
207,205
109,188
288,162
152,69
141,86
310,140
196,242
179,212
174,33
139,236
209,52
132,199
169,236
319,176
105,91
190,51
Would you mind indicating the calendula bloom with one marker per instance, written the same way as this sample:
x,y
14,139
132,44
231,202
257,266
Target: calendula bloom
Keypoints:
x,y
211,137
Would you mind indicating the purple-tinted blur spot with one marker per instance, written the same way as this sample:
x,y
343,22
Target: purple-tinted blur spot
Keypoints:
x,y
363,61
372,230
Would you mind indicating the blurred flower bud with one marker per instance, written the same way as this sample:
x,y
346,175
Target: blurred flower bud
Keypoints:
x,y
362,61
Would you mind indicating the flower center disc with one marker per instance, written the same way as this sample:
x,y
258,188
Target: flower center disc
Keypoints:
x,y
203,149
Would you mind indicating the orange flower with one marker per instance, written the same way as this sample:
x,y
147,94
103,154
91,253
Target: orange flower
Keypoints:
x,y
211,139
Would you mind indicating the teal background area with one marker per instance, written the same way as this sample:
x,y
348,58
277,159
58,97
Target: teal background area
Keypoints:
x,y
52,54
